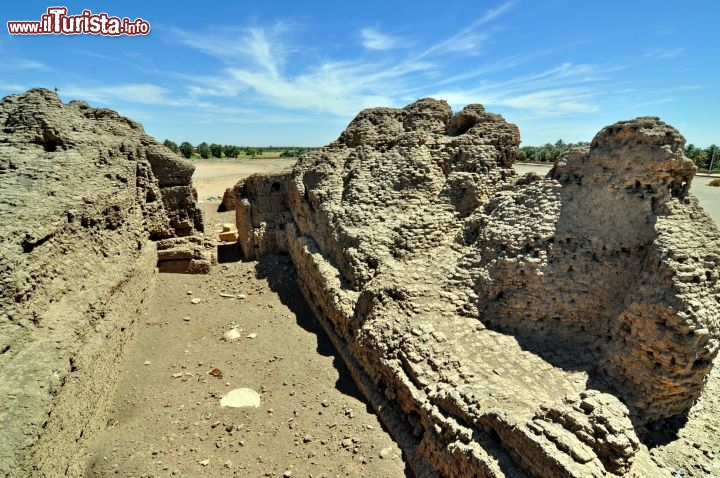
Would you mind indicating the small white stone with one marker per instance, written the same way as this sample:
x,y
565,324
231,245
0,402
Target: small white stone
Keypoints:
x,y
232,335
240,397
195,300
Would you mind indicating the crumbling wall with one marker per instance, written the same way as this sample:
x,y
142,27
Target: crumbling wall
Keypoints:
x,y
82,192
519,325
584,260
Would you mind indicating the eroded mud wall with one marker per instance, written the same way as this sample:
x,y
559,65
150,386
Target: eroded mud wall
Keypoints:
x,y
518,325
83,195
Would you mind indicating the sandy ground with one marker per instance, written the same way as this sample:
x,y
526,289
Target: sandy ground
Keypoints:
x,y
167,419
708,196
312,420
213,177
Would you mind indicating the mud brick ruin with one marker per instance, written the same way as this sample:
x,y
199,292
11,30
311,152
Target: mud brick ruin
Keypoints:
x,y
506,325
500,325
89,206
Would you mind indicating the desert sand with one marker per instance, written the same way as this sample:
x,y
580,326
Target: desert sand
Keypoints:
x,y
213,177
313,420
167,419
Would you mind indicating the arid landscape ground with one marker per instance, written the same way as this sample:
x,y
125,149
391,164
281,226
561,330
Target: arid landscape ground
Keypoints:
x,y
401,302
313,421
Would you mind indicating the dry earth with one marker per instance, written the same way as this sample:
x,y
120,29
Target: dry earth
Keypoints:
x,y
313,421
213,177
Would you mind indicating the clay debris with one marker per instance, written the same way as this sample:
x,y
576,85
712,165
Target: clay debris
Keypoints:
x,y
504,325
86,201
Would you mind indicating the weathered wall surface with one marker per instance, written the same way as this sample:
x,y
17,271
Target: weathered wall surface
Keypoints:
x,y
82,190
520,326
627,267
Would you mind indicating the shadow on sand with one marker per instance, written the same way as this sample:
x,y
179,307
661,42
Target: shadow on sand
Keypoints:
x,y
280,273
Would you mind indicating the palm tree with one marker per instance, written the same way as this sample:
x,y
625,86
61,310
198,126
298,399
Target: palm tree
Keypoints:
x,y
713,152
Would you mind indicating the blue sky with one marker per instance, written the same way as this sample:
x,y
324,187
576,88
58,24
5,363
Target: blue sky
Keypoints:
x,y
295,73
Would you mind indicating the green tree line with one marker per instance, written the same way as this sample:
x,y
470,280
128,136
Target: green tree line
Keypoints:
x,y
205,151
703,158
547,153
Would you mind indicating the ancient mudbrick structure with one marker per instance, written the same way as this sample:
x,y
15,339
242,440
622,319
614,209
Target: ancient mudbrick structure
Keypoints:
x,y
503,325
86,201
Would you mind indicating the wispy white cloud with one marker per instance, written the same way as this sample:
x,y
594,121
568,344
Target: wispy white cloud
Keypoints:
x,y
563,90
468,40
334,87
254,68
658,101
493,13
681,88
259,46
374,40
12,87
214,86
554,102
664,53
252,116
339,88
139,93
21,64
253,71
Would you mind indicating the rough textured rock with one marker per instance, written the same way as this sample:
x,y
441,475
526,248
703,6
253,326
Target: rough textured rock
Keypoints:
x,y
503,325
228,200
82,190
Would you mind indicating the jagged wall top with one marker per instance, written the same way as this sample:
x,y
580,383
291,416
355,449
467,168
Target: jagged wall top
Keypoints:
x,y
453,281
640,153
383,128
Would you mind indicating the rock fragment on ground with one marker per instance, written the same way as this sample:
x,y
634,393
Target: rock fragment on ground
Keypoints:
x,y
240,398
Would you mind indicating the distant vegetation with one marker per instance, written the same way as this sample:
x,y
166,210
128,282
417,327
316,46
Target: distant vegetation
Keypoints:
x,y
715,182
547,153
704,158
214,150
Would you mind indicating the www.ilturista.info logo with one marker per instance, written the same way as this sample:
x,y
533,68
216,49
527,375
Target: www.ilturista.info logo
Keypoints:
x,y
57,22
